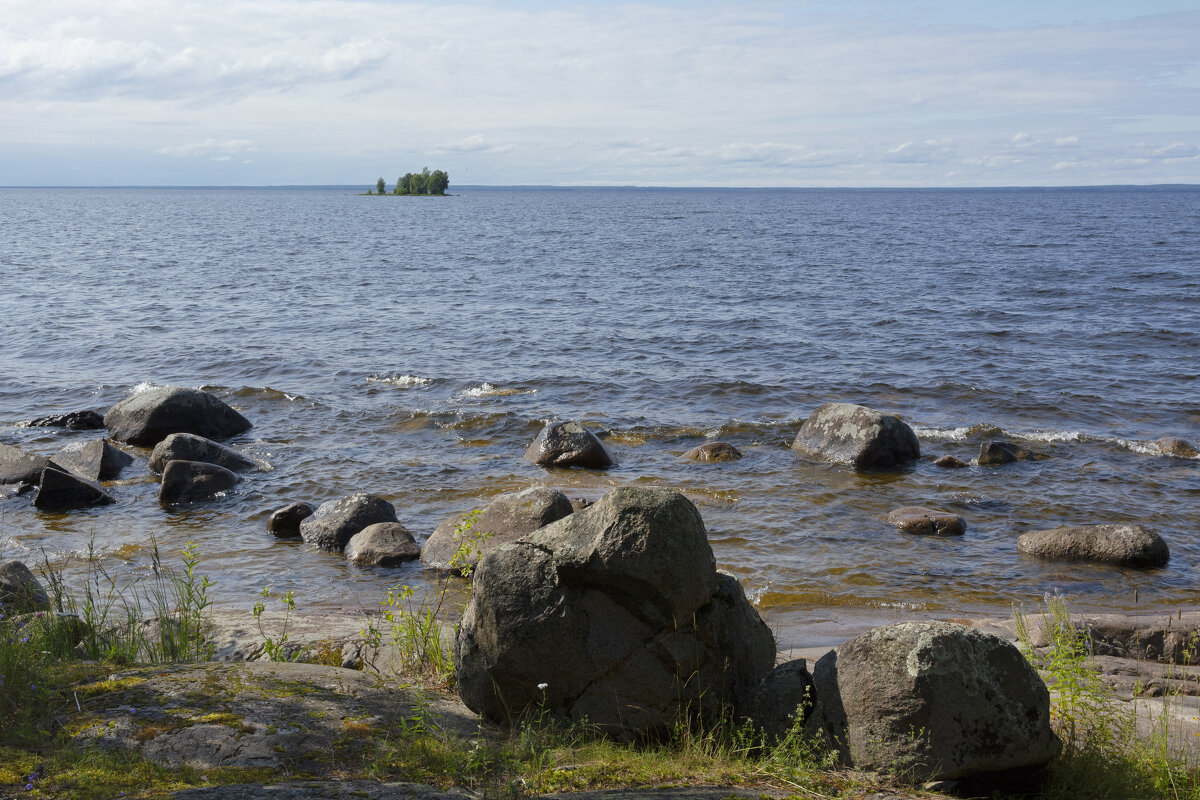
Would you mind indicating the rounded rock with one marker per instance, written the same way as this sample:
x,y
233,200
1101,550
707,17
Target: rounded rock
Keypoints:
x,y
568,444
190,447
922,521
285,522
335,521
994,453
192,481
950,462
1176,447
146,418
505,519
383,544
20,590
1123,545
860,437
714,451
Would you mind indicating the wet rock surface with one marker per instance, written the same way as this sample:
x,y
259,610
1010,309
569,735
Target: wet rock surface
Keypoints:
x,y
921,521
62,490
598,615
714,452
1123,545
17,466
336,521
74,420
193,481
568,444
96,460
1176,447
190,447
996,453
285,522
503,520
950,462
146,418
857,436
933,700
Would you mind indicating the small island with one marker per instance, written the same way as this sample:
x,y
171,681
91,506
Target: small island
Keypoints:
x,y
418,183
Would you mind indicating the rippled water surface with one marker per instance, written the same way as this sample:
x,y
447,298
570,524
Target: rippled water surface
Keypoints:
x,y
413,347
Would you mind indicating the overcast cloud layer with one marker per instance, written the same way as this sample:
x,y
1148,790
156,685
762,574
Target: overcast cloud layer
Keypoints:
x,y
222,92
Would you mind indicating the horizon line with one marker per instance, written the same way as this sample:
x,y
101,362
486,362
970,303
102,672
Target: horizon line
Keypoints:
x,y
615,186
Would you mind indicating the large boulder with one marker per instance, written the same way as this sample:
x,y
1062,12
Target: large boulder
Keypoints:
x,y
20,591
63,490
933,701
505,519
17,466
335,521
190,447
923,521
861,437
193,481
74,420
285,522
146,418
783,701
96,460
383,544
993,453
615,614
1123,545
568,444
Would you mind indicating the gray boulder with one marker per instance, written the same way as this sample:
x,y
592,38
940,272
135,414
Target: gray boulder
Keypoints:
x,y
861,437
336,521
20,591
783,700
614,614
75,421
285,522
383,544
96,460
1176,447
992,453
193,481
927,522
62,490
568,444
505,519
190,447
714,451
1123,545
146,418
950,462
932,701
17,466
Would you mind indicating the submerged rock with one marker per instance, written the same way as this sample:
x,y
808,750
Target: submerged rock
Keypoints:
x,y
192,481
993,453
63,490
96,460
950,462
334,522
383,544
568,444
714,451
17,466
20,591
285,522
505,519
927,522
190,447
1176,447
615,614
1123,545
861,437
75,421
146,418
933,701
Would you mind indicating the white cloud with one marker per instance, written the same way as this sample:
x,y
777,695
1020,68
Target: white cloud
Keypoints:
x,y
206,148
1066,141
471,144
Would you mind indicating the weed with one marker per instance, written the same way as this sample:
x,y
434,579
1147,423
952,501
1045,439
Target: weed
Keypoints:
x,y
274,646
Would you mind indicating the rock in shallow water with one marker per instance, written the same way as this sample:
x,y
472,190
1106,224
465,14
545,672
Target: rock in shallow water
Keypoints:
x,y
933,701
285,522
994,453
568,444
927,522
190,447
950,462
75,421
63,490
505,519
336,521
17,466
1123,545
96,460
1176,447
619,612
858,436
714,451
146,418
383,544
192,481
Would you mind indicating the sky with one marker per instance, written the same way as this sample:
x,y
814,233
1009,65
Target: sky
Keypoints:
x,y
655,93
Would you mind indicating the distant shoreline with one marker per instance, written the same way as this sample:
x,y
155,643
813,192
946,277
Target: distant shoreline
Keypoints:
x,y
1116,187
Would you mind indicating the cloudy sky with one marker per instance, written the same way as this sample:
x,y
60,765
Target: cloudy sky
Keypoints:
x,y
658,92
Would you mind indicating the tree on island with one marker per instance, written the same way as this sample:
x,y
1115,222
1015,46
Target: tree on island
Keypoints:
x,y
423,182
380,186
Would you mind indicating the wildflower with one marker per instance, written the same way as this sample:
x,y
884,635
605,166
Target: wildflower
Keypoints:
x,y
543,686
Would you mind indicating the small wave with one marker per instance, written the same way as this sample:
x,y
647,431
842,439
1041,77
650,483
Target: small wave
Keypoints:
x,y
491,390
267,393
980,430
1059,436
142,387
401,381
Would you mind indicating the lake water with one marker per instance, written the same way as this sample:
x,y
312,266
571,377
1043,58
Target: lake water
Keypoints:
x,y
413,347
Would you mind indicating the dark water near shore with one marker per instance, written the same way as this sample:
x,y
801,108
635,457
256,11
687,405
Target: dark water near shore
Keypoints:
x,y
413,347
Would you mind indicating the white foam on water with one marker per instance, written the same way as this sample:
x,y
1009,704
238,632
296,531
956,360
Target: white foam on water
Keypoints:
x,y
486,389
943,434
1057,436
144,386
401,381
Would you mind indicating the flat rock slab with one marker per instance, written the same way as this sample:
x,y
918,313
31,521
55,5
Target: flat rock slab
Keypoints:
x,y
1123,545
261,714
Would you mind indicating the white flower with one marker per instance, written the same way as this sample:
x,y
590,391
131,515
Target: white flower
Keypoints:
x,y
543,686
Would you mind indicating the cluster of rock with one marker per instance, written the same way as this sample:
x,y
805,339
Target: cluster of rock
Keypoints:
x,y
616,614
